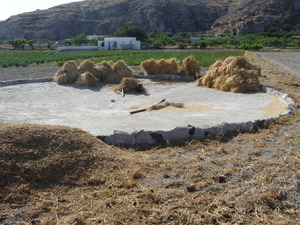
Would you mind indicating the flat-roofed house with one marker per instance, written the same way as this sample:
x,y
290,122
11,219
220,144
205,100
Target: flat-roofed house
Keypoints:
x,y
119,43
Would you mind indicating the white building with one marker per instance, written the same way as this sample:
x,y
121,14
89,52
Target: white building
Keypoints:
x,y
119,43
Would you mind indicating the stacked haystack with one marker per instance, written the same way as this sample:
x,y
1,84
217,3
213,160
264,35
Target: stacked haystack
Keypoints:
x,y
162,66
121,70
105,72
130,85
67,74
87,66
234,74
87,79
190,67
88,74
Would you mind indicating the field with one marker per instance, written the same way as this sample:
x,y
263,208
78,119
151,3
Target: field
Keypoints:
x,y
25,58
60,175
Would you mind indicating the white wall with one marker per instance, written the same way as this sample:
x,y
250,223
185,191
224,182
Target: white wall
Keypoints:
x,y
115,43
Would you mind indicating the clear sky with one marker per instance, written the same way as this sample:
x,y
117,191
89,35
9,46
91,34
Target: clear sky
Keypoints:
x,y
13,7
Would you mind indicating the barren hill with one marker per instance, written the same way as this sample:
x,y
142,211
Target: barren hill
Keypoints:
x,y
107,16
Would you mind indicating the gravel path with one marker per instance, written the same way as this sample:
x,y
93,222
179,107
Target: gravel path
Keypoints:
x,y
288,60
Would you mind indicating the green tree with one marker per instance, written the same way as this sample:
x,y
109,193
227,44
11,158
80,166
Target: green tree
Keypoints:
x,y
161,40
18,43
49,44
132,32
67,42
30,43
80,39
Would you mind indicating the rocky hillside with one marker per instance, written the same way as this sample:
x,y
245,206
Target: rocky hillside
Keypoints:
x,y
252,16
107,16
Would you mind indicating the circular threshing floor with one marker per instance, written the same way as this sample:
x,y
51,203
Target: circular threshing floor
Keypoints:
x,y
101,111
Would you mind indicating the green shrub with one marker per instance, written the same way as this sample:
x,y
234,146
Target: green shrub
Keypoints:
x,y
253,46
202,44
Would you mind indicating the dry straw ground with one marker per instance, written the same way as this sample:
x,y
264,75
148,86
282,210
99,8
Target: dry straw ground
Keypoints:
x,y
59,175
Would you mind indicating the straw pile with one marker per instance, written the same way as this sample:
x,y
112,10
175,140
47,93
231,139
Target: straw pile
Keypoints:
x,y
87,66
148,66
67,74
113,73
190,66
105,72
234,74
87,79
129,86
162,66
121,70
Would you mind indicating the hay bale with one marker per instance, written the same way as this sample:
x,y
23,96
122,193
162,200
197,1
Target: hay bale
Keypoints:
x,y
234,74
105,72
67,74
190,66
88,66
161,66
87,79
121,70
130,85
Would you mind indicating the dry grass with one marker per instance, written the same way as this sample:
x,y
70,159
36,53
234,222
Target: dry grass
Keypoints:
x,y
130,86
234,74
87,79
121,70
190,67
105,72
161,66
113,73
88,66
59,175
67,74
163,105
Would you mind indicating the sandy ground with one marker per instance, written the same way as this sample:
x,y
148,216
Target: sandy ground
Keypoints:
x,y
58,175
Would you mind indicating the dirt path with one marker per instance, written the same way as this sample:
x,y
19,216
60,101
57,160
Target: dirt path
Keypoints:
x,y
290,61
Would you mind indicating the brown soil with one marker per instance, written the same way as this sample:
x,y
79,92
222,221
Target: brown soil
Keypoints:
x,y
60,175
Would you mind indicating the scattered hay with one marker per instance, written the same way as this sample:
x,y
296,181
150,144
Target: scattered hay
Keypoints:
x,y
87,66
87,79
67,74
121,70
234,74
130,85
162,66
162,105
190,66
